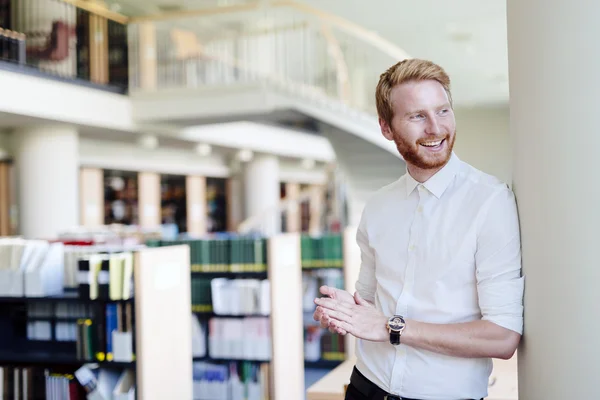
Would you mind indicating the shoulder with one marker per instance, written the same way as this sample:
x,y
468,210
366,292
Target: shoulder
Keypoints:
x,y
380,200
481,184
486,191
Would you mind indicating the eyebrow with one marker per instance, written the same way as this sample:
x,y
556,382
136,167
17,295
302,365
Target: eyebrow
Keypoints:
x,y
445,105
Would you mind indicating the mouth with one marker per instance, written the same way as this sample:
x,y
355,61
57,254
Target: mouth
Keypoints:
x,y
433,145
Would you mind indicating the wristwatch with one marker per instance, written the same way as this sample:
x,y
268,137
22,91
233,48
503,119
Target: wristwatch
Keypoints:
x,y
396,325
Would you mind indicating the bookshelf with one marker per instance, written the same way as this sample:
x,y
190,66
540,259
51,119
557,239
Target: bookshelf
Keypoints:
x,y
322,264
244,296
138,338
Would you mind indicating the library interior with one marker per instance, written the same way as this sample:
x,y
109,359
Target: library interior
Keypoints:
x,y
178,178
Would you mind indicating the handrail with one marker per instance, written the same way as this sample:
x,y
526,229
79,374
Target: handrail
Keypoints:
x,y
99,10
352,28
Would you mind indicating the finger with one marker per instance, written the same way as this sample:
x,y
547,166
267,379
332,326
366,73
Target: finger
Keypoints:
x,y
325,322
360,301
337,315
343,327
327,291
335,305
336,326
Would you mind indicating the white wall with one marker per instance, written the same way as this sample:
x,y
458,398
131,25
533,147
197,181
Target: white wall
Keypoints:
x,y
482,140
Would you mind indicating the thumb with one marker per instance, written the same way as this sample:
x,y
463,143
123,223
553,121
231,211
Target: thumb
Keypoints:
x,y
360,301
327,291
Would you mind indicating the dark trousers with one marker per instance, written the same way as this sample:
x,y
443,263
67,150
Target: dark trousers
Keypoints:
x,y
360,388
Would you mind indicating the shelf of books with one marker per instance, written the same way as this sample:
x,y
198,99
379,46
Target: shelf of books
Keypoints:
x,y
331,259
246,324
322,264
123,333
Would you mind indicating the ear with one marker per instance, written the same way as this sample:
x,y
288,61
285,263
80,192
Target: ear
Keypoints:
x,y
386,130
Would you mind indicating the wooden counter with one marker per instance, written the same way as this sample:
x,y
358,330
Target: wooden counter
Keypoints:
x,y
503,382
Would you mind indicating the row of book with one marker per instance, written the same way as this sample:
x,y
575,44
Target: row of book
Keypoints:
x,y
106,276
78,250
223,253
108,336
320,344
225,296
323,251
231,381
240,338
38,383
241,296
30,267
12,46
44,318
312,280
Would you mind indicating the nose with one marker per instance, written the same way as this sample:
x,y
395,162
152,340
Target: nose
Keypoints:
x,y
433,126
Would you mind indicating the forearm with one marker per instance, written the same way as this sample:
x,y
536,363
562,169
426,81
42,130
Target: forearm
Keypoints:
x,y
477,339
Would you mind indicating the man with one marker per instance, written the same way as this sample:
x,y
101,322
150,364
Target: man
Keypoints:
x,y
440,291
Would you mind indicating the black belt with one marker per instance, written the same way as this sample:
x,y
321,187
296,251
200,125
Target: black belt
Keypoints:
x,y
371,390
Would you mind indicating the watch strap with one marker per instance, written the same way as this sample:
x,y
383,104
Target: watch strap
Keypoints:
x,y
395,338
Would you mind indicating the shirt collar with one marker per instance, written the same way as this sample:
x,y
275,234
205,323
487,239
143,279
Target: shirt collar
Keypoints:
x,y
439,182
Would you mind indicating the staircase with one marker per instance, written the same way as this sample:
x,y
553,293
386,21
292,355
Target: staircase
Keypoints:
x,y
269,61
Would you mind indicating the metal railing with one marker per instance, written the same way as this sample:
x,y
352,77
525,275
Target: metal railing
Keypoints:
x,y
282,43
59,39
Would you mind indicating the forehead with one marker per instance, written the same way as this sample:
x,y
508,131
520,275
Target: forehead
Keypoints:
x,y
421,95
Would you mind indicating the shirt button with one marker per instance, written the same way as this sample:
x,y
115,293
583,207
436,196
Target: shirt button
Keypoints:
x,y
412,247
420,209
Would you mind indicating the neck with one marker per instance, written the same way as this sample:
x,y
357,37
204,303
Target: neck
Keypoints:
x,y
421,175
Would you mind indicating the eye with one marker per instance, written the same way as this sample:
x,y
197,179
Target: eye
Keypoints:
x,y
444,111
418,116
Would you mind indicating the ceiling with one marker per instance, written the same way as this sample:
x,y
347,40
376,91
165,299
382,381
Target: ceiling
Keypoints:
x,y
466,37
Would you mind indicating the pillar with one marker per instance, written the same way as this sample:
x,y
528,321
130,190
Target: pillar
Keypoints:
x,y
91,197
554,81
261,189
47,166
235,201
195,189
317,202
149,200
294,219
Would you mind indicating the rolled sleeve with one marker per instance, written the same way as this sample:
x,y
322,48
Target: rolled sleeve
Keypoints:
x,y
500,285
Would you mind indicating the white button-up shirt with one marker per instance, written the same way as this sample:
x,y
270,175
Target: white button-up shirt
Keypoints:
x,y
445,251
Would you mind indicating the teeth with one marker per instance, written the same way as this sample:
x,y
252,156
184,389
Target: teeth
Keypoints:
x,y
431,144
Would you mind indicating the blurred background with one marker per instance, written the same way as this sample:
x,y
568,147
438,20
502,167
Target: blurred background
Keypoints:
x,y
244,131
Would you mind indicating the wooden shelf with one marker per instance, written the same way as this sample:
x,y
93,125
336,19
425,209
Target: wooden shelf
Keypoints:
x,y
47,358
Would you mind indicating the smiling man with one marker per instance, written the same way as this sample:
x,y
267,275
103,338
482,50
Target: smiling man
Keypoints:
x,y
440,291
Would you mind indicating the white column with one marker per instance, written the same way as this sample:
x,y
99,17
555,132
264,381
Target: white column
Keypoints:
x,y
554,80
47,163
261,188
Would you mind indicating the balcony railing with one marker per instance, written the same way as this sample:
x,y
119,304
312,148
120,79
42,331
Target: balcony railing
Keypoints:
x,y
55,38
290,46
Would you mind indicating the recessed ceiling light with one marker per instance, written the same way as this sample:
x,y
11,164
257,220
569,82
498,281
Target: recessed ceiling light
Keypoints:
x,y
203,149
308,163
148,142
245,155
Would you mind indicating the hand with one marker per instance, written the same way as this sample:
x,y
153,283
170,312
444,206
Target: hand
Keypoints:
x,y
359,318
339,295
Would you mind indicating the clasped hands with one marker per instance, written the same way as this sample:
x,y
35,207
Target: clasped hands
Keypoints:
x,y
342,313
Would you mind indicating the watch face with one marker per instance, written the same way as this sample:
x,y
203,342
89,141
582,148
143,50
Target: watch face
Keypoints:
x,y
396,323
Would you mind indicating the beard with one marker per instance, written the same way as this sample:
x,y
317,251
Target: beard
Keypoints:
x,y
418,156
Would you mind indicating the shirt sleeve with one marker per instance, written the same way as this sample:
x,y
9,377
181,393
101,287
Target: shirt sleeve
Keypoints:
x,y
366,283
498,263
